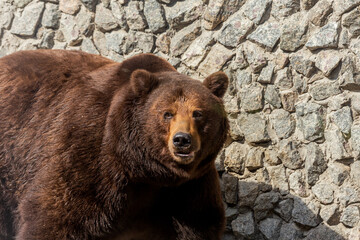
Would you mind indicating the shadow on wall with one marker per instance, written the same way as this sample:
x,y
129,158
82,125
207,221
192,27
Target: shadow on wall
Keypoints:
x,y
257,211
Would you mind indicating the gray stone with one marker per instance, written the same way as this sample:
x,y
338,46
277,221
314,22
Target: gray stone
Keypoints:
x,y
6,15
355,138
240,60
218,11
25,25
144,42
306,214
51,16
341,7
255,56
264,203
243,225
283,79
155,16
289,154
319,13
196,52
184,12
88,46
336,103
330,214
348,194
266,35
282,122
90,4
231,214
284,209
297,183
350,216
308,4
324,192
252,97
281,59
310,120
219,161
255,159
115,40
327,61
288,100
84,20
279,179
230,184
352,21
272,96
255,10
266,73
323,232
163,42
182,39
21,3
70,29
355,173
343,119
354,233
270,227
271,157
300,83
293,34
326,37
234,30
302,64
348,80
248,192
100,42
336,146
242,79
232,105
215,59
69,6
134,15
289,231
104,19
235,157
338,173
254,127
119,14
354,46
324,89
315,163
47,41
284,8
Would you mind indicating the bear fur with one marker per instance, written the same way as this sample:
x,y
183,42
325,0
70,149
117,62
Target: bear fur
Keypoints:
x,y
87,148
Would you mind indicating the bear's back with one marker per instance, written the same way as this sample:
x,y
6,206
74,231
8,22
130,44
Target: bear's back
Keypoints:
x,y
41,92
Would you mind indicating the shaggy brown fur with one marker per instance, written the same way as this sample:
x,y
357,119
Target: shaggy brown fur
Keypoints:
x,y
86,149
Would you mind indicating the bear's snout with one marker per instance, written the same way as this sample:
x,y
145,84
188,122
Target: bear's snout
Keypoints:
x,y
182,140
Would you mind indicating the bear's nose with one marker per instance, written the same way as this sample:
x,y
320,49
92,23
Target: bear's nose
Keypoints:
x,y
182,140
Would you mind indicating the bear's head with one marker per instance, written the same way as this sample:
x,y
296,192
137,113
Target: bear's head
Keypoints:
x,y
165,125
184,121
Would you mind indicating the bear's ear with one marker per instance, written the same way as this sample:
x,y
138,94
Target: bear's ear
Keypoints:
x,y
217,83
142,82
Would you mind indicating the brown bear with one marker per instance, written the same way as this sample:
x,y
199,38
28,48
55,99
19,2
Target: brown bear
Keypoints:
x,y
95,149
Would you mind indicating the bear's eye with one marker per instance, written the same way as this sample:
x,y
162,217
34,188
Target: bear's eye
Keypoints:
x,y
168,115
197,114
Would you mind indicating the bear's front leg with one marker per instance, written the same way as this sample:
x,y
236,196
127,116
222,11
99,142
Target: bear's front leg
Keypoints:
x,y
198,209
63,213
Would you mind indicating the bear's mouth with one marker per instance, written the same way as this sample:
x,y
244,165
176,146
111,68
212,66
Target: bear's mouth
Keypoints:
x,y
185,157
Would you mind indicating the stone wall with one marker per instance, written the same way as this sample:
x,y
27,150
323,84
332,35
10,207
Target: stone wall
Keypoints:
x,y
291,168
